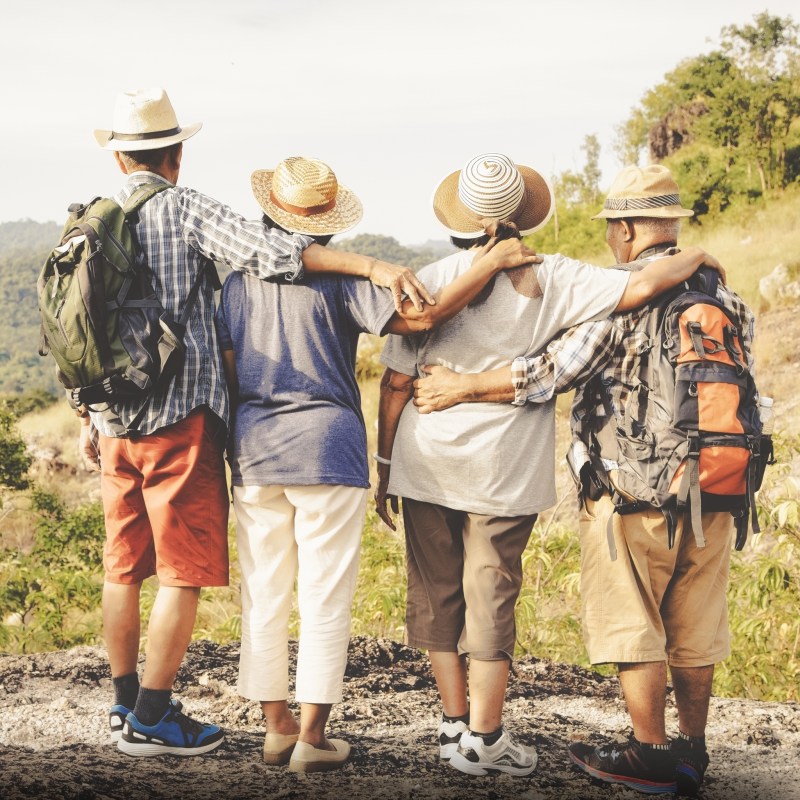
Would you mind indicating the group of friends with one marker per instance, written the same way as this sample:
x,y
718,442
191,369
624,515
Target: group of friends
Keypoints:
x,y
479,344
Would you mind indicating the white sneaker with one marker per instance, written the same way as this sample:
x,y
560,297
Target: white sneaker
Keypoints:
x,y
475,757
449,736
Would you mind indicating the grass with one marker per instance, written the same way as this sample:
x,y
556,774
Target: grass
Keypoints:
x,y
764,594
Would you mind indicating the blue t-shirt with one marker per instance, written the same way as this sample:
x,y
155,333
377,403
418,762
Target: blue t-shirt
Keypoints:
x,y
297,419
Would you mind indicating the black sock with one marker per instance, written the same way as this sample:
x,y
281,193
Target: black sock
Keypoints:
x,y
651,746
694,741
151,705
489,738
463,718
126,690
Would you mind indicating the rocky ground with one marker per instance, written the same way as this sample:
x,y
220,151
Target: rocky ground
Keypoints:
x,y
54,740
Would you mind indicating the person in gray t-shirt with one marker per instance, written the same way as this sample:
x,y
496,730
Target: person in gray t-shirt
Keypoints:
x,y
298,452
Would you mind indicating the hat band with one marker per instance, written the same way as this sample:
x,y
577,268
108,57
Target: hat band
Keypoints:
x,y
637,203
138,137
302,211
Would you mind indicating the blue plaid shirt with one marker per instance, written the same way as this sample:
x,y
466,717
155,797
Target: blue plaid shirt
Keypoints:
x,y
177,229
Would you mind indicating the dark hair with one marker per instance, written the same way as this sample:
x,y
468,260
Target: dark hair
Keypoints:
x,y
149,159
468,244
502,229
321,239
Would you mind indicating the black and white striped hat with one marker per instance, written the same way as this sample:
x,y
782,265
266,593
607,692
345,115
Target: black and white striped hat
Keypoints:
x,y
643,192
492,186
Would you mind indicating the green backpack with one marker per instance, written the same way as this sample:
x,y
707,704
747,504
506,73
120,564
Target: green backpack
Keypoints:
x,y
102,322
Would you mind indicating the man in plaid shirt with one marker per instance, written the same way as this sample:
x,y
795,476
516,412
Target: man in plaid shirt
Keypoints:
x,y
644,605
164,489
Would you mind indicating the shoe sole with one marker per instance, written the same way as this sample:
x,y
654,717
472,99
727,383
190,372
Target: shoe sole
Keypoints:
x,y
116,736
278,759
316,766
481,768
149,750
648,787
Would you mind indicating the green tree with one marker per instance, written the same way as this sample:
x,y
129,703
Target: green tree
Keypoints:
x,y
730,116
14,458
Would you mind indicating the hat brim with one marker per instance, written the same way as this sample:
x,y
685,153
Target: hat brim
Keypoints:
x,y
107,142
663,212
345,215
533,212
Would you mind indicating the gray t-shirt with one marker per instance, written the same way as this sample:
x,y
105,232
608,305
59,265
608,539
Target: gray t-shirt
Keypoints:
x,y
491,458
298,418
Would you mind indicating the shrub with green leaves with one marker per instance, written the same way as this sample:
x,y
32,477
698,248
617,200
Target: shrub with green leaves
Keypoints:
x,y
50,596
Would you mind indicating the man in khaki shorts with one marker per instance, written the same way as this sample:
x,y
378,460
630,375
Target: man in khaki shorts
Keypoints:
x,y
645,605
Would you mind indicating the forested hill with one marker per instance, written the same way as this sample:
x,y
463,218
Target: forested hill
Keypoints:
x,y
23,248
386,248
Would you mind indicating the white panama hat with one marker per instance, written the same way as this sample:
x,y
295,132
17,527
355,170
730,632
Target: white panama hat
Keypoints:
x,y
492,186
144,120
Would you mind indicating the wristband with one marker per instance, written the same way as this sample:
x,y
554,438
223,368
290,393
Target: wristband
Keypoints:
x,y
382,460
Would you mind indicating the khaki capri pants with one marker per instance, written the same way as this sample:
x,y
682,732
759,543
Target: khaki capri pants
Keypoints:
x,y
464,577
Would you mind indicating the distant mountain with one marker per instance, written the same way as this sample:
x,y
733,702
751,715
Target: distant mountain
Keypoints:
x,y
23,248
387,248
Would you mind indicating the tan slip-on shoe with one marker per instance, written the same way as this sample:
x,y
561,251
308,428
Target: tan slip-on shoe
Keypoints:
x,y
278,747
307,758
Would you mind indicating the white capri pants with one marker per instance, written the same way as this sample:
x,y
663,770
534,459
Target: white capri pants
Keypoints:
x,y
313,533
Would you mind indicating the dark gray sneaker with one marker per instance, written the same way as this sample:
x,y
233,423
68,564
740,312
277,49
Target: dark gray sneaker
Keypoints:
x,y
691,763
475,757
635,765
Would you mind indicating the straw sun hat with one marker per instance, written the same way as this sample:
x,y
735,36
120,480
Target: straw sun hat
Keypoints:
x,y
493,186
643,192
303,196
144,120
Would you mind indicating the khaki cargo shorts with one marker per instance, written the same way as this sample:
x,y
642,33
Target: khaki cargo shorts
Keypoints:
x,y
653,603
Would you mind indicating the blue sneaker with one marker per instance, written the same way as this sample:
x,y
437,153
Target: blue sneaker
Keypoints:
x,y
117,714
174,734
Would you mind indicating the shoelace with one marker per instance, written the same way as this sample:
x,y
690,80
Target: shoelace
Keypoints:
x,y
190,728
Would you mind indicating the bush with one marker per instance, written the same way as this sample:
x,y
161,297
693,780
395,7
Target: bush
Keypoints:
x,y
50,597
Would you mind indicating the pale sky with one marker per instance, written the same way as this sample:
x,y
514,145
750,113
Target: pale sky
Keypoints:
x,y
392,95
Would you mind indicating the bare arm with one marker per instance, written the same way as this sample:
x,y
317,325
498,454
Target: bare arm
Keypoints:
x,y
400,280
495,256
663,274
231,378
90,458
570,360
396,390
444,388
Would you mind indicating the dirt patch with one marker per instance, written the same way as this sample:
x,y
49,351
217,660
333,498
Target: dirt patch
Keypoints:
x,y
54,740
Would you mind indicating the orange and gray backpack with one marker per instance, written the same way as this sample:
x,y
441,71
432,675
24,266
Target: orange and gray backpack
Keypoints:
x,y
691,436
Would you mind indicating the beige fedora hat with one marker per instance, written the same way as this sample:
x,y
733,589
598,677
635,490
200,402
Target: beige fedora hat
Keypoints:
x,y
144,120
303,196
643,192
492,186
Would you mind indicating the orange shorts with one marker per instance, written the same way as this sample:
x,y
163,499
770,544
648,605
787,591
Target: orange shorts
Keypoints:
x,y
166,504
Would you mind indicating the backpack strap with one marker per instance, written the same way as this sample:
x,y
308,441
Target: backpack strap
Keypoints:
x,y
178,329
141,195
689,489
